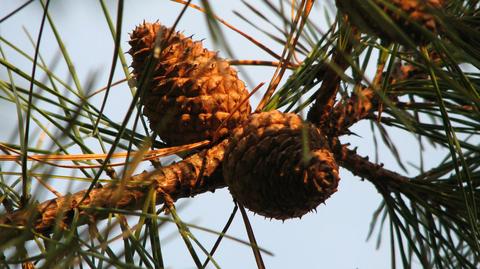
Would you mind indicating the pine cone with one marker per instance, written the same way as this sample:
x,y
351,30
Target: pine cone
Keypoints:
x,y
268,171
418,11
192,91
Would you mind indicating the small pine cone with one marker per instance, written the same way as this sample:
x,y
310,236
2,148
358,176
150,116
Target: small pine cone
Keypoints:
x,y
268,171
192,91
359,12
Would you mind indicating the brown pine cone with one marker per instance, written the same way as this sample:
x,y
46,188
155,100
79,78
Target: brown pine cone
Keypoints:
x,y
418,11
192,91
268,170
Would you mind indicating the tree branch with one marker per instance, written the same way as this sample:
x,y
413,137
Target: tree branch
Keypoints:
x,y
362,167
196,174
362,103
325,99
345,114
326,94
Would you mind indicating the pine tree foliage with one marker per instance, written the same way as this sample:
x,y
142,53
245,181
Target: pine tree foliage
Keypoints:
x,y
426,81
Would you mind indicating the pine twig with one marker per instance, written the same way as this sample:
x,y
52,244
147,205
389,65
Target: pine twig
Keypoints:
x,y
358,106
362,167
326,94
196,174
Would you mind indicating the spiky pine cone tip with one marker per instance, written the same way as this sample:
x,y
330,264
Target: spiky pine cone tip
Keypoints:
x,y
268,170
193,94
404,13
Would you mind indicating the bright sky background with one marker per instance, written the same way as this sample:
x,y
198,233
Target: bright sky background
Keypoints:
x,y
334,237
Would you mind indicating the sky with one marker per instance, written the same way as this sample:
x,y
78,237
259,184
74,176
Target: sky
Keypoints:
x,y
333,237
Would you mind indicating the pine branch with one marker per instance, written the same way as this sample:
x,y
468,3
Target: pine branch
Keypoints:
x,y
196,174
357,107
362,167
326,94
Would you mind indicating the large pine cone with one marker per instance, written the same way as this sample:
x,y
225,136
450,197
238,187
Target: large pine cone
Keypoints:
x,y
192,91
268,169
418,11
